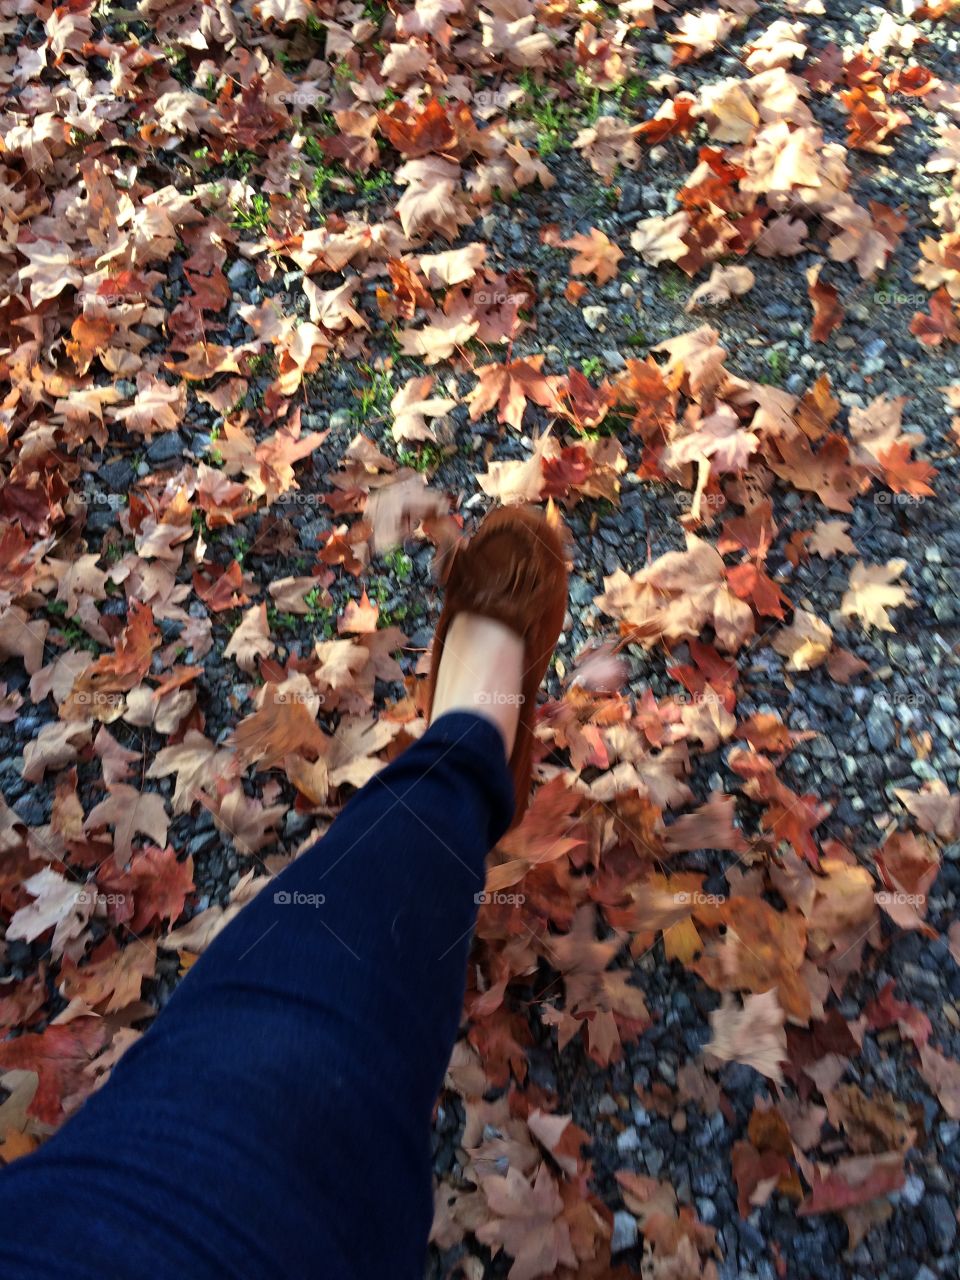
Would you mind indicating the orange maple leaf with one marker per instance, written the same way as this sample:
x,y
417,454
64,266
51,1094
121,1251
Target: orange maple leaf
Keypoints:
x,y
418,132
940,325
827,311
904,475
509,386
597,255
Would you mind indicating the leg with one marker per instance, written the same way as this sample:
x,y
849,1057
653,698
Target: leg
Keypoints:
x,y
275,1121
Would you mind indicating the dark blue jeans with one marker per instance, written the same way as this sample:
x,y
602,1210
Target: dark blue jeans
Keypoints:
x,y
275,1120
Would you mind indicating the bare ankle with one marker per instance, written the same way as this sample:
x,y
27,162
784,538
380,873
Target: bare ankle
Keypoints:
x,y
481,671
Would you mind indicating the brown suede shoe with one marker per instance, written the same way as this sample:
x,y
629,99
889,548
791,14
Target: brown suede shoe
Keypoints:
x,y
511,570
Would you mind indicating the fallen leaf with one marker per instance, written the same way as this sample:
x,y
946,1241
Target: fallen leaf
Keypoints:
x,y
753,1034
596,255
872,591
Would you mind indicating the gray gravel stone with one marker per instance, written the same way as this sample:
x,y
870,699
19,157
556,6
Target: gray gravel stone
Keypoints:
x,y
912,1191
312,532
879,724
240,273
706,1210
166,448
118,475
625,1233
939,1220
628,1140
581,591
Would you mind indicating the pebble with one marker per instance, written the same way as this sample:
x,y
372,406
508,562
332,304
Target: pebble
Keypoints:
x,y
199,842
913,1190
239,273
625,1233
421,638
295,823
751,1237
940,1223
628,1140
166,448
101,518
594,317
118,475
879,724
581,591
706,1210
632,196
312,532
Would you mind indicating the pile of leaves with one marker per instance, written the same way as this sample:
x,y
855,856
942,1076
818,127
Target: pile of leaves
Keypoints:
x,y
168,172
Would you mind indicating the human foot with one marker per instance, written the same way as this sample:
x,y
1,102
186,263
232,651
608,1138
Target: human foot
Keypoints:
x,y
481,670
511,574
